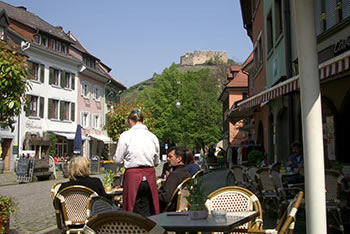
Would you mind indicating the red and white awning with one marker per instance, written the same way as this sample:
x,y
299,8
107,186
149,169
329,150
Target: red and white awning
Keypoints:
x,y
335,66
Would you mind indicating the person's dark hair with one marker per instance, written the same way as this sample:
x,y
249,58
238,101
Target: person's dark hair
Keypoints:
x,y
296,144
179,152
189,157
136,115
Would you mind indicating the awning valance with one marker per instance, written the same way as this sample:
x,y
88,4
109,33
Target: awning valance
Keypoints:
x,y
68,135
105,139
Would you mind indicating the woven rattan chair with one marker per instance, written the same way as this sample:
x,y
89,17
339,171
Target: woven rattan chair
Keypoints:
x,y
98,204
333,205
237,173
199,173
120,222
287,222
71,205
266,187
249,177
233,199
54,189
178,200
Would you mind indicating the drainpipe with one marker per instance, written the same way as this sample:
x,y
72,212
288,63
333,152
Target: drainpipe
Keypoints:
x,y
288,49
310,100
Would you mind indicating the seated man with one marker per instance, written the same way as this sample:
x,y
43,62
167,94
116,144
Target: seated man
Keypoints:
x,y
295,162
176,160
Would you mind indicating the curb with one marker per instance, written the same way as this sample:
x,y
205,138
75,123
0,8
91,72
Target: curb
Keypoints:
x,y
49,230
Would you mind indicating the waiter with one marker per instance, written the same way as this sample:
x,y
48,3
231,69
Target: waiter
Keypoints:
x,y
138,151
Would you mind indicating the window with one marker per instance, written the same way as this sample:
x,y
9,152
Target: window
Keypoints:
x,y
258,54
85,89
2,33
64,49
53,44
53,109
44,41
67,80
269,32
61,147
97,93
58,46
37,39
96,121
65,110
35,106
278,18
37,71
54,76
84,119
89,61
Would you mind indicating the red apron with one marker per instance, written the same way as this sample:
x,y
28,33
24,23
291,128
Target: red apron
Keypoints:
x,y
132,180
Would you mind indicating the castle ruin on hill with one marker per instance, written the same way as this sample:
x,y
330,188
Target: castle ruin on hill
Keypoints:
x,y
201,57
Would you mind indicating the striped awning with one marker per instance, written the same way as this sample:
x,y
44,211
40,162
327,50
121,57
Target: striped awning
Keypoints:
x,y
334,66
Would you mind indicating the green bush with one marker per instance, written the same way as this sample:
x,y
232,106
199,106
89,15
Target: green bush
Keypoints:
x,y
255,156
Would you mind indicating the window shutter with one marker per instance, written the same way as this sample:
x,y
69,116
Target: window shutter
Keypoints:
x,y
61,110
27,103
30,70
89,122
63,78
42,73
41,107
49,109
81,119
51,76
73,80
72,111
100,122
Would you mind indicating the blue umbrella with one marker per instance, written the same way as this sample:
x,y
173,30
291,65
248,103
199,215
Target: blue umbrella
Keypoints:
x,y
77,141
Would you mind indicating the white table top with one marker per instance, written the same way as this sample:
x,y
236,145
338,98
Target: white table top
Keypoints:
x,y
171,222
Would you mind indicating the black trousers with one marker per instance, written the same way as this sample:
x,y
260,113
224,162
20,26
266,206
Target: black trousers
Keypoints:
x,y
144,202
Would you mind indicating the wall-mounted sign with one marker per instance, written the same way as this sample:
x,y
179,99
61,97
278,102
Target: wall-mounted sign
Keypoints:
x,y
33,125
341,46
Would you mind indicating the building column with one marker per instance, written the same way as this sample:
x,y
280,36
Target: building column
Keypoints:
x,y
310,97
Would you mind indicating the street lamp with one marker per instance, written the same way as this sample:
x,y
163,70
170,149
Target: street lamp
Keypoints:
x,y
178,104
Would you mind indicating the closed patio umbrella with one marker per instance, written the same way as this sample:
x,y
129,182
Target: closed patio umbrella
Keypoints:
x,y
77,141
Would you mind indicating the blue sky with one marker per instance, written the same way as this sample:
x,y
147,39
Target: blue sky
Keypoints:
x,y
139,37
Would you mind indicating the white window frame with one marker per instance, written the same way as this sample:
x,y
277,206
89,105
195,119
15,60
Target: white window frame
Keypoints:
x,y
58,108
69,110
64,48
53,44
84,124
36,106
45,41
85,89
37,39
35,76
69,80
58,46
97,93
96,121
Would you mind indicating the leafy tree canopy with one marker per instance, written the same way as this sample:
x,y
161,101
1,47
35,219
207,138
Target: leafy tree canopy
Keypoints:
x,y
13,84
198,120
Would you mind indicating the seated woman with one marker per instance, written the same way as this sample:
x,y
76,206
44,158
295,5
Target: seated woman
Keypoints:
x,y
78,174
189,164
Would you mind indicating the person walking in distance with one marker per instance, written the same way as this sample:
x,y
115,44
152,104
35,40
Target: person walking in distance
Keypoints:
x,y
138,151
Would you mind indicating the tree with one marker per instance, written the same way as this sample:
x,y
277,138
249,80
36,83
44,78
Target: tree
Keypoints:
x,y
13,84
116,119
198,121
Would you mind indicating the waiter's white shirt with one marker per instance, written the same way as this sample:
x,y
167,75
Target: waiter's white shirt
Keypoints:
x,y
137,147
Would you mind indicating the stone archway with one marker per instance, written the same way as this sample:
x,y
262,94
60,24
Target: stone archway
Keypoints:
x,y
344,129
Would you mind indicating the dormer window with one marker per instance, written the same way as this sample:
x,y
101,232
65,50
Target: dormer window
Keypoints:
x,y
53,44
2,33
58,46
64,49
44,41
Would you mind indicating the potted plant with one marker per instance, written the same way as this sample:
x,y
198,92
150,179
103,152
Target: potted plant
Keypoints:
x,y
7,207
196,199
108,180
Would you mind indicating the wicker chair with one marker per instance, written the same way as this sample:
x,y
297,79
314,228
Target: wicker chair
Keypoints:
x,y
287,222
233,199
98,204
121,222
71,205
249,177
199,173
178,200
54,189
333,205
237,172
266,187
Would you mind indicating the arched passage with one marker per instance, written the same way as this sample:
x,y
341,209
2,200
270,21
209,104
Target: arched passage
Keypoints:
x,y
282,136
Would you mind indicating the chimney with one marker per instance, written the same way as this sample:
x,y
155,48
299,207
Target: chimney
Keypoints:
x,y
22,8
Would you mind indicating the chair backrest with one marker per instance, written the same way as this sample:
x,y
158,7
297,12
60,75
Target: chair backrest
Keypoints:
x,y
98,204
72,203
333,185
237,172
233,199
121,222
264,180
250,172
174,200
199,173
54,189
276,178
287,222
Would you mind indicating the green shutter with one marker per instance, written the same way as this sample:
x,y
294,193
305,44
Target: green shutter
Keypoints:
x,y
61,110
63,78
42,73
41,107
51,76
28,97
30,70
72,111
49,109
73,80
